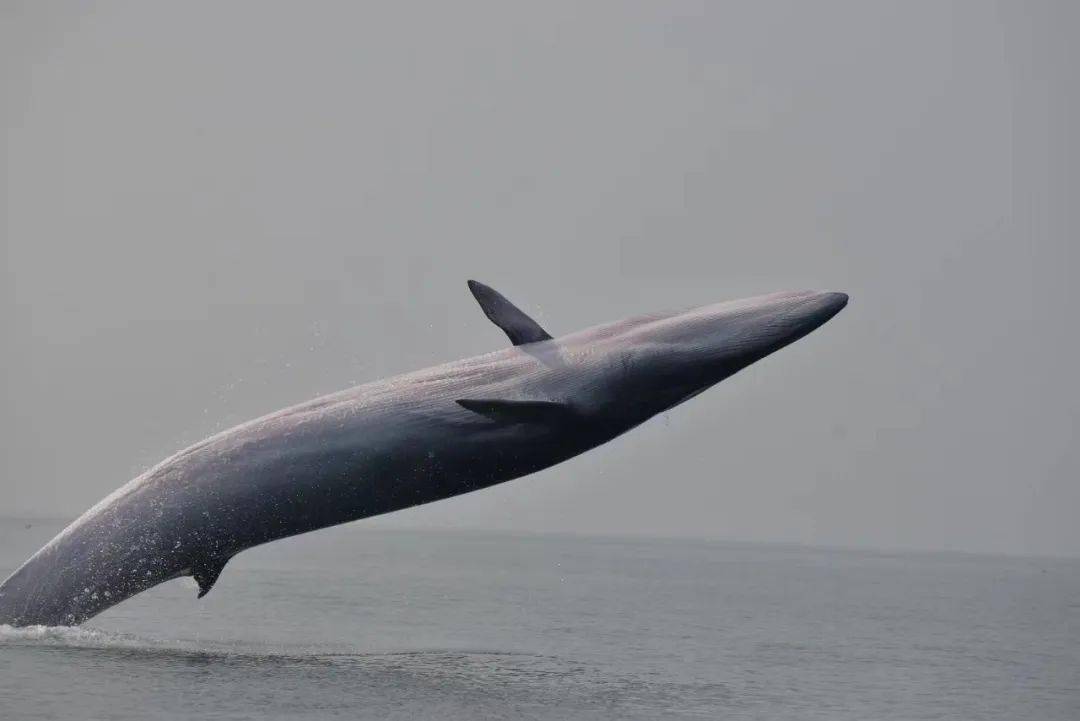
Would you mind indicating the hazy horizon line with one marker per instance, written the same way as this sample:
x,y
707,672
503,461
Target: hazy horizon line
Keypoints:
x,y
630,536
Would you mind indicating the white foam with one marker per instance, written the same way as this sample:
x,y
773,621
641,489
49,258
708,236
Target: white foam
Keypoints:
x,y
91,638
73,636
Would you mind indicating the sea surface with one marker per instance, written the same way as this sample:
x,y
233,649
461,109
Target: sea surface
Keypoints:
x,y
358,623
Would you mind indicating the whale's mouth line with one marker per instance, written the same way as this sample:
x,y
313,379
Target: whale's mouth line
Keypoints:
x,y
789,325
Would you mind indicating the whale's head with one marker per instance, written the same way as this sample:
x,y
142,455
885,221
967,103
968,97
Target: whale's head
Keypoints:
x,y
655,362
618,375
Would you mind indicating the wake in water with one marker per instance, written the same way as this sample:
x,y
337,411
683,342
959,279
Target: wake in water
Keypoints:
x,y
77,637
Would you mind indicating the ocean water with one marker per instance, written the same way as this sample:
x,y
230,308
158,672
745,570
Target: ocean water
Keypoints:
x,y
358,623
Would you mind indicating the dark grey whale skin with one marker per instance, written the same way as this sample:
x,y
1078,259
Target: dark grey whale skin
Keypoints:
x,y
391,444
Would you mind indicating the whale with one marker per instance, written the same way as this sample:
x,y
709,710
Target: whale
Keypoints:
x,y
396,443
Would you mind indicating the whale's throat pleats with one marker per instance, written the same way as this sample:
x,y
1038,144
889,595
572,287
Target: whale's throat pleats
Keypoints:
x,y
519,327
206,570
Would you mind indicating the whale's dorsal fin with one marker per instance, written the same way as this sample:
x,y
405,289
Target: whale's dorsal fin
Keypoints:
x,y
519,327
206,570
520,411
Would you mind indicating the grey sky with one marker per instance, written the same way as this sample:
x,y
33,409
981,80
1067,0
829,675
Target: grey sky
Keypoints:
x,y
212,210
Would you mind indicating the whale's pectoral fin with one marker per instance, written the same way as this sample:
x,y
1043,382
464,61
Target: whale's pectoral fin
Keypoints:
x,y
206,570
519,327
520,411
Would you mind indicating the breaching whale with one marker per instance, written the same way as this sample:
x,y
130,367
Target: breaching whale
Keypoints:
x,y
395,443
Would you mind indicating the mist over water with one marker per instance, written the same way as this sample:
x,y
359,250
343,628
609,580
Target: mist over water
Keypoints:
x,y
211,211
360,623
